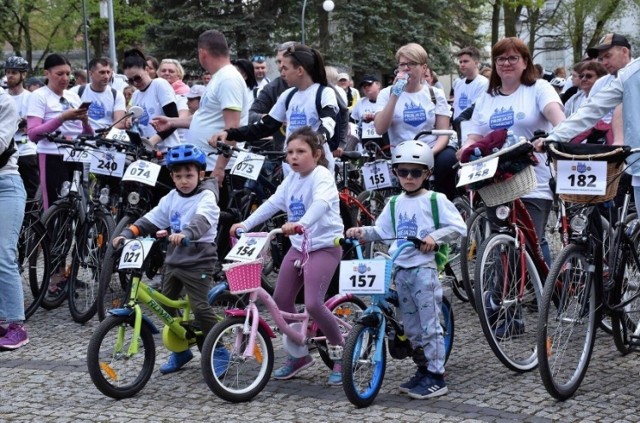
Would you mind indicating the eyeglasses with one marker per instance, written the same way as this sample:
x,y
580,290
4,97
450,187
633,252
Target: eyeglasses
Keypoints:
x,y
409,65
500,61
135,80
415,173
586,76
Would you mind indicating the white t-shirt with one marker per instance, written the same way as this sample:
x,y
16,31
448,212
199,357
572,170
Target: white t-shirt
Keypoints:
x,y
158,94
47,105
466,92
414,112
103,105
362,107
521,112
181,102
226,90
24,145
295,195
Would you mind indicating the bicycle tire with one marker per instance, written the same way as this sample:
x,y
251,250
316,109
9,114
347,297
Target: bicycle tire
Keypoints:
x,y
563,363
362,374
478,230
114,286
59,222
87,263
626,289
34,261
505,329
104,364
347,309
232,384
447,322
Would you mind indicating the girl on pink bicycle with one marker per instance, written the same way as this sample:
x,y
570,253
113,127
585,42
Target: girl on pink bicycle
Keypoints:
x,y
310,198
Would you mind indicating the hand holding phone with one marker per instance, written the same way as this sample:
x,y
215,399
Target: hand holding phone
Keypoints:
x,y
85,105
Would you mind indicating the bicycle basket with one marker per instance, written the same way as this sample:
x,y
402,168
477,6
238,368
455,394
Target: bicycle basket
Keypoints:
x,y
613,155
243,277
510,189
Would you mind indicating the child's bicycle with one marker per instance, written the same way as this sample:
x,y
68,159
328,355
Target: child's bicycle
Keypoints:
x,y
365,355
121,353
246,335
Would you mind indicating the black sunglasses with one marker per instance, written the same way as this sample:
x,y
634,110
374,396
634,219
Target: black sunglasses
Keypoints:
x,y
135,80
415,173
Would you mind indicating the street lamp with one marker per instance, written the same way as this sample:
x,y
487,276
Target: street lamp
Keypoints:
x,y
327,5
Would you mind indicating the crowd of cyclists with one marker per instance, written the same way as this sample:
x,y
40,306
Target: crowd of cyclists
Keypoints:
x,y
299,113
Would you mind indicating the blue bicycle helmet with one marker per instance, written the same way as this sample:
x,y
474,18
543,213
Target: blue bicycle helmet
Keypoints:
x,y
185,154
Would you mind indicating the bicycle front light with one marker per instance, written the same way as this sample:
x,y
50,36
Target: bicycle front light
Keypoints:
x,y
578,223
133,198
502,212
64,190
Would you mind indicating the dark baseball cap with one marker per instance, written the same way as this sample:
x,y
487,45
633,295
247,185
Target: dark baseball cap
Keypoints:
x,y
607,42
368,79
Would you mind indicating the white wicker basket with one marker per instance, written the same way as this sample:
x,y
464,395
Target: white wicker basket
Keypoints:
x,y
518,185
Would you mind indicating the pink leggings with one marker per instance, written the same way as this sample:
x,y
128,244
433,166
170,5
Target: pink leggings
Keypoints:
x,y
316,277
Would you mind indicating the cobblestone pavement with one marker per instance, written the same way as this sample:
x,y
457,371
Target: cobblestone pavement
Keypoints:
x,y
47,381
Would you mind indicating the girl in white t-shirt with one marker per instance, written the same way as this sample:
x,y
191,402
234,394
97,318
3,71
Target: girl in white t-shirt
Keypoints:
x,y
310,198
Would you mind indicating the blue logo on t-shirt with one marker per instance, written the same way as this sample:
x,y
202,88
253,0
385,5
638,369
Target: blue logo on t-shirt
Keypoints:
x,y
501,118
96,111
463,103
176,222
296,209
414,114
406,227
297,118
144,118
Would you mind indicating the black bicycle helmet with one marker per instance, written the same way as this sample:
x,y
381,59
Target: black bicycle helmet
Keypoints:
x,y
16,63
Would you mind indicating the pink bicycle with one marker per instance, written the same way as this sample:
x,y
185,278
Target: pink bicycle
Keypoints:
x,y
237,354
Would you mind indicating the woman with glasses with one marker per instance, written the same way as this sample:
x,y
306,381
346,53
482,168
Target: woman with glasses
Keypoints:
x,y
588,74
517,100
414,107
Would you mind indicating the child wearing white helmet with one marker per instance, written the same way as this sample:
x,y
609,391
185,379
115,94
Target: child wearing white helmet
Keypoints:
x,y
416,276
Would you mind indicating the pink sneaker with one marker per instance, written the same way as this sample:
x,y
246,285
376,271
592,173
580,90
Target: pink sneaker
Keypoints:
x,y
15,337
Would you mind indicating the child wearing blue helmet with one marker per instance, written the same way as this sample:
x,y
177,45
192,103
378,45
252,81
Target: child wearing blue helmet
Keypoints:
x,y
190,211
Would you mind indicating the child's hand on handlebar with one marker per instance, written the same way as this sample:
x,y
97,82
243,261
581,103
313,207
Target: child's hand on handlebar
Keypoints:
x,y
235,227
291,229
176,239
428,244
357,233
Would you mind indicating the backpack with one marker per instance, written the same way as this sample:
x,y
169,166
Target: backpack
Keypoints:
x,y
342,118
82,88
6,154
442,254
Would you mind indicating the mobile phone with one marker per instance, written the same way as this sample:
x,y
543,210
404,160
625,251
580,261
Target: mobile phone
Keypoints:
x,y
85,105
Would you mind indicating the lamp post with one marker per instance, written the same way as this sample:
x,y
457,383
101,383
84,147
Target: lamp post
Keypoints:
x,y
327,5
106,12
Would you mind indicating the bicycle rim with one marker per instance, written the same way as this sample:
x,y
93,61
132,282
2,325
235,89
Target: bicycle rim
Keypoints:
x,y
626,290
477,231
60,226
34,264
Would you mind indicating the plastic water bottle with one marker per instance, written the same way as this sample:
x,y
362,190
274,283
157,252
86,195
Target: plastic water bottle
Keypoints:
x,y
399,86
511,140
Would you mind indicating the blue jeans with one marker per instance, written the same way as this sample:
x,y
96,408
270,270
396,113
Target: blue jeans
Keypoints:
x,y
12,198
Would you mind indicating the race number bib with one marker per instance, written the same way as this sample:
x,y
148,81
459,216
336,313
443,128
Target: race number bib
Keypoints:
x,y
581,177
369,131
248,247
118,135
110,163
248,165
376,175
134,253
143,172
362,277
474,172
76,156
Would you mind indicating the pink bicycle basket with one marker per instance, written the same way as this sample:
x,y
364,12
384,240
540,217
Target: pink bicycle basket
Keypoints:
x,y
243,277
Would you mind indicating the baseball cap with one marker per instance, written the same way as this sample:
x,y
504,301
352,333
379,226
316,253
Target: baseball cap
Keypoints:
x,y
342,76
196,91
367,80
607,42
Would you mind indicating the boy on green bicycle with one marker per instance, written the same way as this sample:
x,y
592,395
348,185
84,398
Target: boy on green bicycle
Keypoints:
x,y
416,276
192,212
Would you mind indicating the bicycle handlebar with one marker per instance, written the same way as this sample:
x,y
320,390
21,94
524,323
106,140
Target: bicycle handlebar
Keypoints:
x,y
436,132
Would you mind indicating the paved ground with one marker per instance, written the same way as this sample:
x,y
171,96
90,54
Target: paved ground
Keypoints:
x,y
47,381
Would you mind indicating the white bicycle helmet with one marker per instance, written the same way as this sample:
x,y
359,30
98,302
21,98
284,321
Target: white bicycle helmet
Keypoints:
x,y
413,151
558,82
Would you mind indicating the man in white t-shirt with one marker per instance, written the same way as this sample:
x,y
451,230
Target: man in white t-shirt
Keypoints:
x,y
16,69
260,70
107,104
469,86
365,110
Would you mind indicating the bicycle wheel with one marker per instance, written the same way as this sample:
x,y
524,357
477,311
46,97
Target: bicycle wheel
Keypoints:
x,y
363,365
567,325
347,309
478,230
115,369
34,261
113,286
225,301
508,310
373,202
87,265
448,326
60,222
626,290
238,378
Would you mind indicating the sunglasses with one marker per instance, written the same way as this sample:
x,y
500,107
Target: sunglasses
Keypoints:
x,y
258,58
135,80
415,173
586,75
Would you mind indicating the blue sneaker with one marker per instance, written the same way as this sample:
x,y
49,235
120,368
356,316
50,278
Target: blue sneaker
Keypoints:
x,y
430,386
335,378
415,380
221,358
176,361
292,367
490,308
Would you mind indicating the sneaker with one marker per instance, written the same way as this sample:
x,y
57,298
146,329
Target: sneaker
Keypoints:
x,y
491,309
56,288
221,358
3,331
14,337
415,380
292,367
509,328
430,386
176,361
335,378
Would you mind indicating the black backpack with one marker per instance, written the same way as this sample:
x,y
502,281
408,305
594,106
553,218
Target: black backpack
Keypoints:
x,y
83,87
6,154
342,118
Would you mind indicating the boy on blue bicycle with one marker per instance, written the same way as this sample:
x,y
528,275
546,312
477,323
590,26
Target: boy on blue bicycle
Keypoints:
x,y
416,275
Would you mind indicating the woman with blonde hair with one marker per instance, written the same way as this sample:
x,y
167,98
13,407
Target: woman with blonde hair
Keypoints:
x,y
173,72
